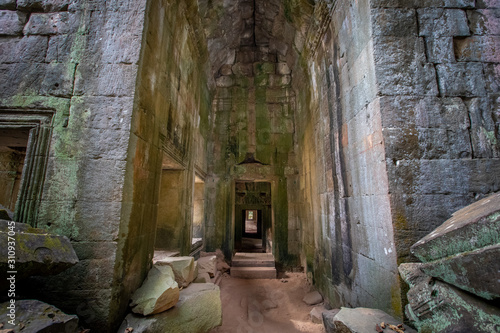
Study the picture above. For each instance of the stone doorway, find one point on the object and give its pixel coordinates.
(253, 216)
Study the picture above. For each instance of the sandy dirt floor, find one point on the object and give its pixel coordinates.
(266, 306)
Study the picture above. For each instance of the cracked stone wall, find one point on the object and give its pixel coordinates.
(438, 81)
(397, 128)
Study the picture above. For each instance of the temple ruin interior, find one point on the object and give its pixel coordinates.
(331, 137)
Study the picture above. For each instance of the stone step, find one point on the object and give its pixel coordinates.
(253, 272)
(253, 263)
(253, 260)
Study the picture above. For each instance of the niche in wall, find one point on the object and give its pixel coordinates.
(171, 208)
(198, 213)
(24, 147)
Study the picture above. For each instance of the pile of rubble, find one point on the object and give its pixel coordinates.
(456, 286)
(177, 295)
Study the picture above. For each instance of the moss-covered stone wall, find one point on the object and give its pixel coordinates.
(170, 120)
(126, 83)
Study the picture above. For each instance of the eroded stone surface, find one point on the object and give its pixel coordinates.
(435, 306)
(33, 316)
(36, 251)
(475, 271)
(470, 228)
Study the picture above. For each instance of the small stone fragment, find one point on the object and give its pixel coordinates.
(382, 325)
(317, 314)
(378, 329)
(395, 328)
(208, 265)
(313, 298)
(268, 304)
(359, 320)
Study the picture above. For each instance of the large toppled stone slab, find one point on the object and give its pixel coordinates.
(33, 316)
(474, 271)
(435, 306)
(158, 293)
(199, 309)
(471, 228)
(36, 252)
(183, 267)
(360, 320)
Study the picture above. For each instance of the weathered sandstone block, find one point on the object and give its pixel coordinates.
(360, 320)
(36, 252)
(473, 227)
(183, 268)
(158, 293)
(37, 316)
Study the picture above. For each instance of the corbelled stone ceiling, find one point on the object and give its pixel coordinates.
(273, 30)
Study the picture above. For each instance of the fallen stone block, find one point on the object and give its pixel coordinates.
(199, 310)
(202, 278)
(328, 319)
(360, 320)
(183, 267)
(208, 265)
(158, 293)
(35, 316)
(435, 306)
(471, 228)
(36, 251)
(474, 271)
(316, 314)
(313, 298)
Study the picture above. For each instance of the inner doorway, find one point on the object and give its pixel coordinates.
(252, 230)
(253, 216)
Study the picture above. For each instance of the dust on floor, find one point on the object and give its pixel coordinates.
(266, 306)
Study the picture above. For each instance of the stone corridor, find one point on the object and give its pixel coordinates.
(332, 135)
